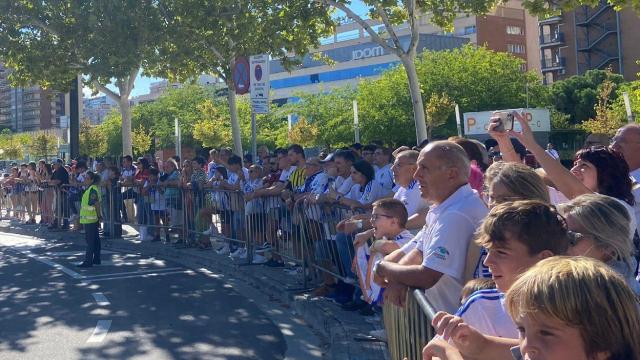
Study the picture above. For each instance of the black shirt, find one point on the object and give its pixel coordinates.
(61, 175)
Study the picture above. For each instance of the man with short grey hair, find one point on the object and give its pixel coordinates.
(442, 256)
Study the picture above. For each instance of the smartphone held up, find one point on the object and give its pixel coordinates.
(506, 121)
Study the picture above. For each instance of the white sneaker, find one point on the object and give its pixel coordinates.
(240, 253)
(259, 259)
(224, 250)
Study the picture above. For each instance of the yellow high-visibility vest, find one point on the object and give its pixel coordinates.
(88, 213)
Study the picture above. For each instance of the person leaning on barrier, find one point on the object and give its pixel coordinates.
(442, 257)
(90, 217)
(59, 178)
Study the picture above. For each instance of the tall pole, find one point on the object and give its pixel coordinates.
(627, 106)
(254, 137)
(74, 119)
(458, 120)
(356, 122)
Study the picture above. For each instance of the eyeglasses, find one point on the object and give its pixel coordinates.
(375, 217)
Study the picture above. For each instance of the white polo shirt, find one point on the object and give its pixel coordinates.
(485, 311)
(411, 198)
(450, 227)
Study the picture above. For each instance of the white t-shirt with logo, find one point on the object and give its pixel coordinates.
(485, 311)
(450, 228)
(384, 176)
(411, 198)
(372, 192)
(343, 185)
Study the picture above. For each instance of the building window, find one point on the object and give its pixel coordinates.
(523, 67)
(514, 30)
(469, 30)
(516, 48)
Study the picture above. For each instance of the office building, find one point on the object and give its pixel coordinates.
(97, 108)
(30, 108)
(590, 38)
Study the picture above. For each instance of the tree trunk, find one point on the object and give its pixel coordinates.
(416, 97)
(125, 111)
(235, 125)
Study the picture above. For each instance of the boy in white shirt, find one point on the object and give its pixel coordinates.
(389, 218)
(517, 236)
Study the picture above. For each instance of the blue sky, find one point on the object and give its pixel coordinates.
(142, 83)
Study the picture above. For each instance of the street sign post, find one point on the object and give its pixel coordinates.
(259, 84)
(259, 93)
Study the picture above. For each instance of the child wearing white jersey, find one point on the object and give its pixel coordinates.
(517, 235)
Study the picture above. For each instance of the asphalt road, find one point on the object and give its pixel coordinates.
(131, 307)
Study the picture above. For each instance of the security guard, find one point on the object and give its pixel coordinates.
(90, 217)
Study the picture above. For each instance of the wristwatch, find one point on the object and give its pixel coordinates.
(359, 224)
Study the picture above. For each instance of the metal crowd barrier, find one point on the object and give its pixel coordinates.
(409, 329)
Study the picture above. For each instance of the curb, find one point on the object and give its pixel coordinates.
(319, 315)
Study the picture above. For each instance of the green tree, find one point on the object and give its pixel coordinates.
(606, 121)
(577, 96)
(461, 74)
(141, 141)
(439, 108)
(206, 36)
(43, 145)
(51, 42)
(93, 140)
(11, 147)
(331, 112)
(304, 133)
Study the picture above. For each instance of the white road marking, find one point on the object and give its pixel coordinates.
(90, 277)
(74, 253)
(56, 266)
(190, 272)
(100, 299)
(100, 332)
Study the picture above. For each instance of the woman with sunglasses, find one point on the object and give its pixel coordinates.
(599, 226)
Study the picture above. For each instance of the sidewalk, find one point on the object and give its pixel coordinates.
(334, 326)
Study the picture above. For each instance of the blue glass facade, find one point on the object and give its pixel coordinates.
(336, 75)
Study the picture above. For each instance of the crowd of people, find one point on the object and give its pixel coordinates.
(522, 257)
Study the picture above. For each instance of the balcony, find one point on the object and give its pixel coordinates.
(553, 39)
(553, 63)
(551, 20)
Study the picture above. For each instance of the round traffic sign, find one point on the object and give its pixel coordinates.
(258, 72)
(241, 78)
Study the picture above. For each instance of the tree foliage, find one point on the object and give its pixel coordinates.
(462, 74)
(331, 112)
(304, 133)
(577, 96)
(141, 141)
(51, 42)
(93, 140)
(11, 145)
(206, 36)
(43, 145)
(438, 109)
(606, 121)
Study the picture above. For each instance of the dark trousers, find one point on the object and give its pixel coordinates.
(91, 235)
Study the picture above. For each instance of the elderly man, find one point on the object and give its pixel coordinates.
(627, 142)
(441, 257)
